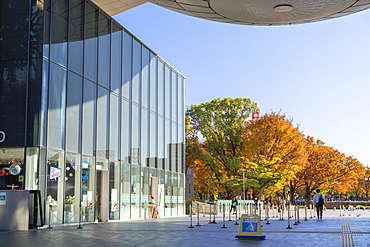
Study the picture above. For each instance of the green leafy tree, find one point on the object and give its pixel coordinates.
(219, 124)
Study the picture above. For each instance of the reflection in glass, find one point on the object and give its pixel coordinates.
(57, 106)
(125, 191)
(87, 188)
(59, 32)
(55, 185)
(72, 189)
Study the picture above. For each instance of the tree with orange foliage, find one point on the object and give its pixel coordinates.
(327, 168)
(274, 150)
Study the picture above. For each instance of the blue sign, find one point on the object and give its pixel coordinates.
(2, 198)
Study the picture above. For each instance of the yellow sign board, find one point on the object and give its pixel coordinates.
(250, 228)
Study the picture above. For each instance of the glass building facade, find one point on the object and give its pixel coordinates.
(89, 115)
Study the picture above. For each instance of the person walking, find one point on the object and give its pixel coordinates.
(234, 204)
(318, 201)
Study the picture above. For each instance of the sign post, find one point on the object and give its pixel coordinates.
(250, 228)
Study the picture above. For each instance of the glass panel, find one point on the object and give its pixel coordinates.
(153, 82)
(144, 137)
(161, 192)
(55, 182)
(153, 146)
(31, 176)
(161, 143)
(12, 169)
(74, 106)
(125, 130)
(174, 201)
(135, 192)
(181, 101)
(126, 65)
(167, 194)
(145, 78)
(174, 147)
(114, 149)
(76, 32)
(72, 188)
(125, 192)
(89, 115)
(167, 92)
(46, 36)
(35, 84)
(135, 145)
(114, 176)
(144, 193)
(136, 70)
(44, 103)
(167, 138)
(104, 51)
(59, 32)
(14, 31)
(160, 88)
(116, 53)
(174, 97)
(102, 123)
(181, 201)
(91, 43)
(88, 187)
(57, 106)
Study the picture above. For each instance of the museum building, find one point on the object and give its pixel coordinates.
(89, 116)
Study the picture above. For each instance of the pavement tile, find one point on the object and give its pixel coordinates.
(176, 232)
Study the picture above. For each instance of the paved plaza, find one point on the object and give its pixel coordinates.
(352, 229)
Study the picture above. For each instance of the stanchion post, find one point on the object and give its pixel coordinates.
(198, 214)
(49, 227)
(298, 215)
(311, 211)
(223, 216)
(210, 214)
(214, 214)
(267, 214)
(230, 212)
(295, 215)
(236, 216)
(289, 227)
(191, 218)
(79, 220)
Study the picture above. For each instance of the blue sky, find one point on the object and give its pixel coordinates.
(318, 74)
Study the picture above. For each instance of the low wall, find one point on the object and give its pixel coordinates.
(331, 205)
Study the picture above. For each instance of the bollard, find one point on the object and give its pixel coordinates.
(334, 209)
(305, 212)
(295, 215)
(223, 216)
(298, 215)
(311, 211)
(198, 215)
(191, 218)
(340, 210)
(214, 214)
(236, 217)
(79, 220)
(289, 227)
